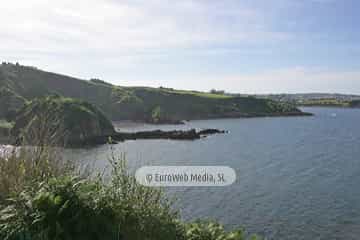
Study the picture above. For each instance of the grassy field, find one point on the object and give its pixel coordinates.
(325, 102)
(201, 94)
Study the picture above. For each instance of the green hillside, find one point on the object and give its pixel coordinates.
(61, 120)
(136, 103)
(10, 102)
(316, 99)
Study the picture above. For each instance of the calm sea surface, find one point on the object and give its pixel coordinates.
(297, 177)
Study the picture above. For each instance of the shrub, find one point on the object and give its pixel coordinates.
(157, 114)
(62, 208)
(208, 230)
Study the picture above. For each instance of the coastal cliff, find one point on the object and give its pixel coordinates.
(61, 120)
(70, 122)
(145, 104)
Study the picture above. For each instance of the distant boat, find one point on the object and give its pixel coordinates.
(333, 114)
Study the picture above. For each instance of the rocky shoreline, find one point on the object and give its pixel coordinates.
(225, 116)
(256, 115)
(191, 134)
(114, 137)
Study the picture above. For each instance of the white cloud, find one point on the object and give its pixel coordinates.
(92, 37)
(112, 26)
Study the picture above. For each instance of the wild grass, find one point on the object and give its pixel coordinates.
(23, 166)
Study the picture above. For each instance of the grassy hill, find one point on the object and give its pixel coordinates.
(10, 102)
(136, 103)
(60, 120)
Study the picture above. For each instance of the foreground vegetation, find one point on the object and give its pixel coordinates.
(21, 84)
(44, 197)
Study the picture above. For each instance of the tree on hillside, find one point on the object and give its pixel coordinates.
(214, 91)
(157, 114)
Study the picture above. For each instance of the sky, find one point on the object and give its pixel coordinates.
(240, 46)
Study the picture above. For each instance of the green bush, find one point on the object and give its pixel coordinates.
(157, 114)
(207, 230)
(62, 208)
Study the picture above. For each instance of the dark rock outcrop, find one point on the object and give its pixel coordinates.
(211, 131)
(191, 134)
